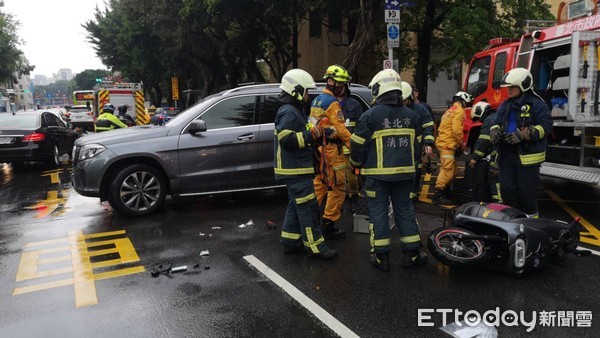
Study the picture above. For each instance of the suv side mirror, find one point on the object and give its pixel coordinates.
(197, 126)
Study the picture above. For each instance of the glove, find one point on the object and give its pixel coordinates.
(472, 163)
(519, 135)
(316, 132)
(496, 135)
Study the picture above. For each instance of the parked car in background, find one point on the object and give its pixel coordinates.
(81, 116)
(32, 136)
(164, 115)
(224, 143)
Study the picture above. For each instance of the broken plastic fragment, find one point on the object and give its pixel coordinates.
(201, 234)
(216, 228)
(204, 253)
(249, 223)
(271, 225)
(179, 268)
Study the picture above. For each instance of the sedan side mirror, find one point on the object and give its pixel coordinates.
(197, 126)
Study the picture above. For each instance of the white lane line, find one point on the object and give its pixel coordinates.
(301, 298)
(597, 253)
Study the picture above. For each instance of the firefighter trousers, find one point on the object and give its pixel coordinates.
(519, 185)
(447, 168)
(301, 225)
(379, 194)
(337, 195)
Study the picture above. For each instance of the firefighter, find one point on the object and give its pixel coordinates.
(426, 140)
(124, 116)
(107, 120)
(520, 130)
(294, 165)
(352, 111)
(483, 112)
(449, 141)
(331, 181)
(383, 145)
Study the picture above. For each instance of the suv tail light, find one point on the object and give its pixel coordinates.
(35, 137)
(90, 113)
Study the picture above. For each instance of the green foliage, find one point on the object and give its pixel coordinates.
(87, 79)
(12, 62)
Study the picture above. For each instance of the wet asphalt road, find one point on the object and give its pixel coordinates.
(223, 295)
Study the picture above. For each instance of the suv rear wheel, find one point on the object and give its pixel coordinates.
(138, 190)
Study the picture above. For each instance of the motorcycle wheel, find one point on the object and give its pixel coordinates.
(445, 245)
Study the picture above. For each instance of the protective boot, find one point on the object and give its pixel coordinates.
(326, 253)
(414, 258)
(381, 261)
(440, 198)
(330, 232)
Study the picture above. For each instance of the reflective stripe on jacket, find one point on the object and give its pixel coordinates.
(384, 142)
(352, 111)
(108, 121)
(530, 110)
(293, 144)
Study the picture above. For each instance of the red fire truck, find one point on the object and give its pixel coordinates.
(565, 63)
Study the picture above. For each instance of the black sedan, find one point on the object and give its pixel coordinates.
(32, 136)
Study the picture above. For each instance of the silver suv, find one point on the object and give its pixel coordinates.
(222, 144)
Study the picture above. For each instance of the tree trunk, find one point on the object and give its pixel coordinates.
(424, 52)
(363, 40)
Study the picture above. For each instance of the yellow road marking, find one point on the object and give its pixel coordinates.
(81, 267)
(48, 242)
(53, 175)
(590, 228)
(120, 272)
(42, 286)
(83, 276)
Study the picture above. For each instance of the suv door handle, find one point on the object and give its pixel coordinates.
(246, 137)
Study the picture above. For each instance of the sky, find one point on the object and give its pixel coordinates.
(52, 34)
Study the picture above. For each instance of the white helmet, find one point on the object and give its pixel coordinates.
(385, 81)
(463, 96)
(478, 109)
(406, 91)
(519, 77)
(296, 82)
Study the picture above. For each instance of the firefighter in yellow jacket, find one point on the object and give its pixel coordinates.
(448, 142)
(326, 111)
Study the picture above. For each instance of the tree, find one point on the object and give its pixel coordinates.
(12, 62)
(448, 31)
(87, 79)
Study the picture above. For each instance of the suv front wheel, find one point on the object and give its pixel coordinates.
(138, 190)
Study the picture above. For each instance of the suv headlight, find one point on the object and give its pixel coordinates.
(89, 151)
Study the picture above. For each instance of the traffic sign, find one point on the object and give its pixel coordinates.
(392, 4)
(175, 87)
(393, 35)
(392, 16)
(387, 64)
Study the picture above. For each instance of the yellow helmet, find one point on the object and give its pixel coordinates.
(338, 73)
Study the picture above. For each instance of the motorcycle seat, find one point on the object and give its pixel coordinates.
(492, 211)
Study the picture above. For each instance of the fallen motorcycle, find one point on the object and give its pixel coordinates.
(503, 238)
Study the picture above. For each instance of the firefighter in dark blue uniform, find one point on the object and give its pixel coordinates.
(294, 143)
(520, 130)
(384, 145)
(426, 140)
(483, 147)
